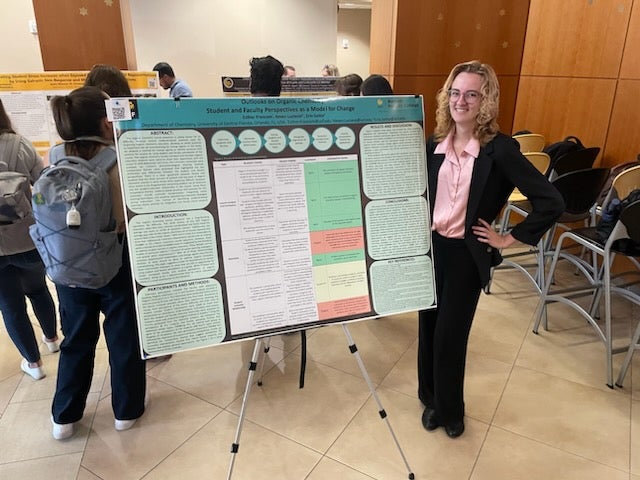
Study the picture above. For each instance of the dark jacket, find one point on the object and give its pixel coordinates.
(498, 169)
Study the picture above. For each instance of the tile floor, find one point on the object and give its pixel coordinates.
(538, 407)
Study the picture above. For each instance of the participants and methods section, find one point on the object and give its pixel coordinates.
(184, 315)
(292, 240)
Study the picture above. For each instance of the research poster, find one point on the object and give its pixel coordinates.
(253, 216)
(26, 96)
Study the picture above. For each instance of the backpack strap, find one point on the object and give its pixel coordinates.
(574, 139)
(104, 159)
(11, 152)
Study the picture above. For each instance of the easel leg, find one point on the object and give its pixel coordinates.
(383, 414)
(267, 346)
(235, 446)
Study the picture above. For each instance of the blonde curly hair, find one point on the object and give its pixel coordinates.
(486, 126)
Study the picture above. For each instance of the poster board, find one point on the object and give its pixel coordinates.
(254, 216)
(26, 96)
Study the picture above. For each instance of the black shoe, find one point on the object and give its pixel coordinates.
(454, 429)
(429, 419)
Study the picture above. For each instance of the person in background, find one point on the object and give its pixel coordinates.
(109, 79)
(349, 85)
(82, 113)
(22, 272)
(330, 70)
(177, 88)
(289, 71)
(265, 76)
(472, 168)
(376, 85)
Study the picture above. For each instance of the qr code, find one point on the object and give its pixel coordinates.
(119, 113)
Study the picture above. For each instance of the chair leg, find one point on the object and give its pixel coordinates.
(541, 310)
(635, 344)
(504, 222)
(607, 320)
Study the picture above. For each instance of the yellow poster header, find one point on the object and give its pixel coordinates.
(47, 81)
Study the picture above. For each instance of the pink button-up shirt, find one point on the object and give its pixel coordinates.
(454, 183)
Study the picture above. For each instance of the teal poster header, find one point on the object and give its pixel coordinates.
(150, 113)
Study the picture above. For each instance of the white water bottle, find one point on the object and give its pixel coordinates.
(73, 217)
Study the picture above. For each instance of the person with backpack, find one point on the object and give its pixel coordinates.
(22, 273)
(81, 121)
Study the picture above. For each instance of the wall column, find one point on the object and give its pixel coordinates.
(77, 34)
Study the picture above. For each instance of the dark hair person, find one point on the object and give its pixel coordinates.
(376, 85)
(81, 121)
(178, 88)
(472, 169)
(22, 273)
(265, 76)
(349, 85)
(109, 79)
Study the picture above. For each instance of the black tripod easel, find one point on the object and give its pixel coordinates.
(235, 446)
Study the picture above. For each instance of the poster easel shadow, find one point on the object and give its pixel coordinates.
(235, 446)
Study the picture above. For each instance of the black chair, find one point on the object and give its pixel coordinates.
(630, 218)
(624, 240)
(572, 161)
(580, 190)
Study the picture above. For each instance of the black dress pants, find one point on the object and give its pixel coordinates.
(444, 331)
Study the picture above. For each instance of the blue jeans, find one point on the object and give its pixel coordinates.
(22, 274)
(79, 312)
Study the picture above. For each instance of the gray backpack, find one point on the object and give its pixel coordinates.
(75, 232)
(15, 204)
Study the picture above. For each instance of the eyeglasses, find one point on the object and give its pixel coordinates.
(470, 96)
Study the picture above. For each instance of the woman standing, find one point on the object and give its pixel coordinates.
(81, 121)
(472, 169)
(21, 269)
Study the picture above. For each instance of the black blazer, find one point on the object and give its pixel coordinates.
(498, 169)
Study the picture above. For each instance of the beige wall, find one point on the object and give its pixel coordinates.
(354, 25)
(204, 40)
(21, 52)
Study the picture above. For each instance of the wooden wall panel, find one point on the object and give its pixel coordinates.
(434, 35)
(631, 56)
(576, 38)
(428, 86)
(623, 141)
(76, 34)
(557, 107)
(383, 37)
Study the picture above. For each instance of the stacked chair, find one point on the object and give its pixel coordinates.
(599, 281)
(519, 205)
(573, 161)
(530, 142)
(630, 218)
